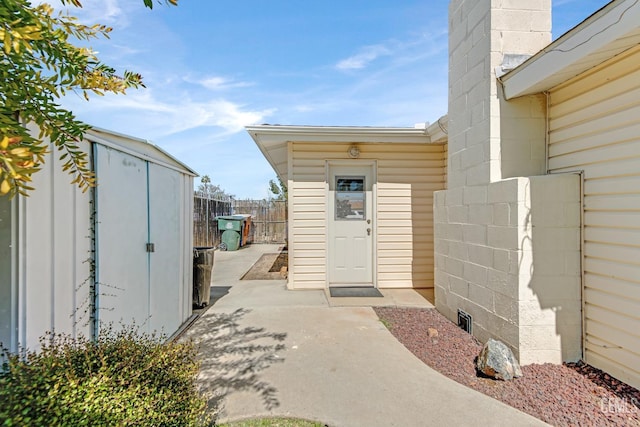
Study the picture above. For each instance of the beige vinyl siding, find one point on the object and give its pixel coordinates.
(407, 176)
(595, 127)
(307, 215)
(406, 183)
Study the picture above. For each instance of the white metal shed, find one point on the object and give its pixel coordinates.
(122, 252)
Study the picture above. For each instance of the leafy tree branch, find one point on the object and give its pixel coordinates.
(39, 63)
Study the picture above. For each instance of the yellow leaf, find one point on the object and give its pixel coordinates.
(19, 151)
(7, 43)
(5, 187)
(4, 143)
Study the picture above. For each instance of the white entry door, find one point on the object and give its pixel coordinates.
(350, 225)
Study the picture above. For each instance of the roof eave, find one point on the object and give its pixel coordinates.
(605, 34)
(272, 140)
(338, 133)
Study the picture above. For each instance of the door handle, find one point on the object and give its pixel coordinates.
(368, 232)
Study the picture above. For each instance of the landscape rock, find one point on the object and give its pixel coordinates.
(497, 361)
(433, 333)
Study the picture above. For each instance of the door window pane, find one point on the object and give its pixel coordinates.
(350, 198)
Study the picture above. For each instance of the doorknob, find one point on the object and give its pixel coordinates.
(368, 221)
(368, 232)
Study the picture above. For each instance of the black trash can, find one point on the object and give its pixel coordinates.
(202, 268)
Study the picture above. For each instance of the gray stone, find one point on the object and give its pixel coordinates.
(497, 361)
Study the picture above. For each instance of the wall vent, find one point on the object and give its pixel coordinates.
(465, 321)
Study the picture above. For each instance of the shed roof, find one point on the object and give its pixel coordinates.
(603, 35)
(138, 147)
(272, 140)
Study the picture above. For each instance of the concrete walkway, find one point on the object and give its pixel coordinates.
(272, 352)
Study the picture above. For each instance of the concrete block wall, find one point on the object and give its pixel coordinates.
(549, 298)
(503, 253)
(477, 259)
(512, 261)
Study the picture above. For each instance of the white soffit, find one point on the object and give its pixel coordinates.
(272, 140)
(605, 34)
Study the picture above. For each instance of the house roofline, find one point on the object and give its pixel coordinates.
(603, 35)
(351, 134)
(272, 140)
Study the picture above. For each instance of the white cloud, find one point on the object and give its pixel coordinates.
(414, 48)
(218, 113)
(363, 58)
(147, 116)
(220, 83)
(104, 11)
(107, 12)
(304, 108)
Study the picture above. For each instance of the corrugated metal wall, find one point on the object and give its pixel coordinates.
(408, 174)
(595, 127)
(53, 250)
(51, 270)
(7, 310)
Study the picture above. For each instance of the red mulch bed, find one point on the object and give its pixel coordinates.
(561, 395)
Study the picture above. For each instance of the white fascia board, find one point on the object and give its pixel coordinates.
(438, 131)
(570, 55)
(348, 134)
(273, 140)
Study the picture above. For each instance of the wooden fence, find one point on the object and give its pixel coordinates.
(269, 219)
(205, 226)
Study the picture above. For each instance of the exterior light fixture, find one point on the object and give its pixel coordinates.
(354, 152)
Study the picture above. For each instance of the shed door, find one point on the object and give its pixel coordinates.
(164, 262)
(136, 205)
(122, 233)
(350, 226)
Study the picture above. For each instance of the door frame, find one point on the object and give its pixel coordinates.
(373, 165)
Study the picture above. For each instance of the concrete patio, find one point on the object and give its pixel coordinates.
(267, 351)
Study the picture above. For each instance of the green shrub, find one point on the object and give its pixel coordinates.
(123, 379)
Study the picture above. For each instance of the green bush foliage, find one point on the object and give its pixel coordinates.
(124, 378)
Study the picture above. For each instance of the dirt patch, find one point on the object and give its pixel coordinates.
(268, 267)
(561, 395)
(281, 261)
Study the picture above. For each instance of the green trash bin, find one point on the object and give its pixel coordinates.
(232, 227)
(230, 223)
(230, 240)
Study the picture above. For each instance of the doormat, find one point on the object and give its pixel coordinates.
(355, 292)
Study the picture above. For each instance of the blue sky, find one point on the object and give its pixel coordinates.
(213, 67)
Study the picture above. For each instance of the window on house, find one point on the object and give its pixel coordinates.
(350, 198)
